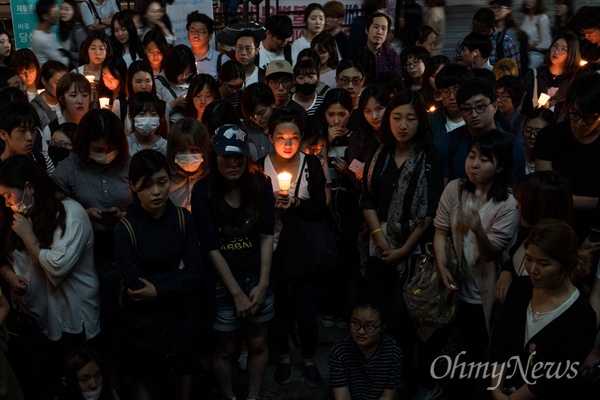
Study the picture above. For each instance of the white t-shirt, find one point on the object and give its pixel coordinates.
(451, 125)
(46, 47)
(266, 56)
(252, 78)
(299, 44)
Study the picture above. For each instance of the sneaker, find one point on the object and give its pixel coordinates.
(341, 324)
(327, 321)
(283, 373)
(429, 394)
(312, 376)
(243, 361)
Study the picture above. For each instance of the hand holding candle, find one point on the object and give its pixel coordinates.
(285, 180)
(104, 101)
(543, 100)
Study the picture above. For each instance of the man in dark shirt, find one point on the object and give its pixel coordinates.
(334, 19)
(588, 20)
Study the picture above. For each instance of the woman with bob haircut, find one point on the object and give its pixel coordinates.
(28, 67)
(156, 50)
(173, 82)
(481, 216)
(545, 320)
(234, 211)
(162, 277)
(203, 90)
(113, 85)
(188, 152)
(96, 174)
(324, 44)
(149, 125)
(74, 94)
(554, 77)
(49, 263)
(47, 101)
(540, 195)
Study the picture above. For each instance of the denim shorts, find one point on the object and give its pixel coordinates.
(225, 317)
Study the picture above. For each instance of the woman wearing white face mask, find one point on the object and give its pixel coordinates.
(150, 126)
(48, 248)
(187, 154)
(96, 174)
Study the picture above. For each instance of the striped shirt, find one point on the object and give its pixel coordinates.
(314, 106)
(366, 379)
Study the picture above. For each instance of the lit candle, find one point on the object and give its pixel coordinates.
(90, 78)
(104, 101)
(431, 109)
(285, 179)
(39, 91)
(582, 63)
(543, 100)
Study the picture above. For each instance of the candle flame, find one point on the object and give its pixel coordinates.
(284, 179)
(431, 109)
(582, 63)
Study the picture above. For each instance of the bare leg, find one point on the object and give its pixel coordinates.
(222, 362)
(258, 356)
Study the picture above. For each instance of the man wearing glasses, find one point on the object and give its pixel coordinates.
(246, 50)
(200, 29)
(280, 78)
(476, 99)
(571, 147)
(589, 22)
(386, 59)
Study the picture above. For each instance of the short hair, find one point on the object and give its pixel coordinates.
(505, 67)
(43, 7)
(134, 68)
(588, 17)
(187, 132)
(250, 34)
(514, 87)
(180, 57)
(573, 53)
(543, 114)
(195, 16)
(420, 34)
(230, 70)
(117, 68)
(285, 115)
(309, 54)
(218, 113)
(18, 114)
(99, 124)
(196, 85)
(349, 63)
(6, 74)
(336, 96)
(67, 128)
(75, 79)
(544, 194)
(495, 146)
(256, 94)
(478, 41)
(381, 95)
(366, 58)
(84, 56)
(585, 93)
(146, 101)
(334, 9)
(379, 14)
(559, 241)
(485, 16)
(474, 86)
(52, 67)
(310, 8)
(25, 58)
(143, 165)
(327, 42)
(424, 136)
(305, 67)
(280, 26)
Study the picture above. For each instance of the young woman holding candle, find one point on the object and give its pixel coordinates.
(302, 195)
(94, 51)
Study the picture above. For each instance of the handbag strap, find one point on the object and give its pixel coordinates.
(299, 178)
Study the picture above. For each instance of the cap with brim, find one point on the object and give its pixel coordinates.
(279, 66)
(230, 139)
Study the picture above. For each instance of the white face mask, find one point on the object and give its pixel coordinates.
(146, 125)
(20, 207)
(93, 395)
(189, 162)
(104, 158)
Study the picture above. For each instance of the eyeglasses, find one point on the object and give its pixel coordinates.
(531, 132)
(413, 64)
(286, 84)
(357, 326)
(234, 88)
(558, 49)
(503, 96)
(347, 81)
(480, 108)
(199, 32)
(244, 49)
(585, 32)
(62, 144)
(588, 119)
(449, 91)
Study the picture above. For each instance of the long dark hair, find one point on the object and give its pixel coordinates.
(48, 212)
(118, 69)
(366, 132)
(84, 56)
(65, 28)
(134, 68)
(159, 40)
(125, 20)
(196, 85)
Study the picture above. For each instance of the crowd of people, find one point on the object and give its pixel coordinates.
(164, 202)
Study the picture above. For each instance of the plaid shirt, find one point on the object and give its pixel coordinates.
(511, 50)
(387, 60)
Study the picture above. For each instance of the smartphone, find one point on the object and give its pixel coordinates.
(109, 214)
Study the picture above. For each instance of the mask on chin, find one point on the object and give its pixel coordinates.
(20, 207)
(93, 395)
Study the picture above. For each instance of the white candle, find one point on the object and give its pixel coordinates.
(90, 78)
(285, 179)
(104, 101)
(543, 100)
